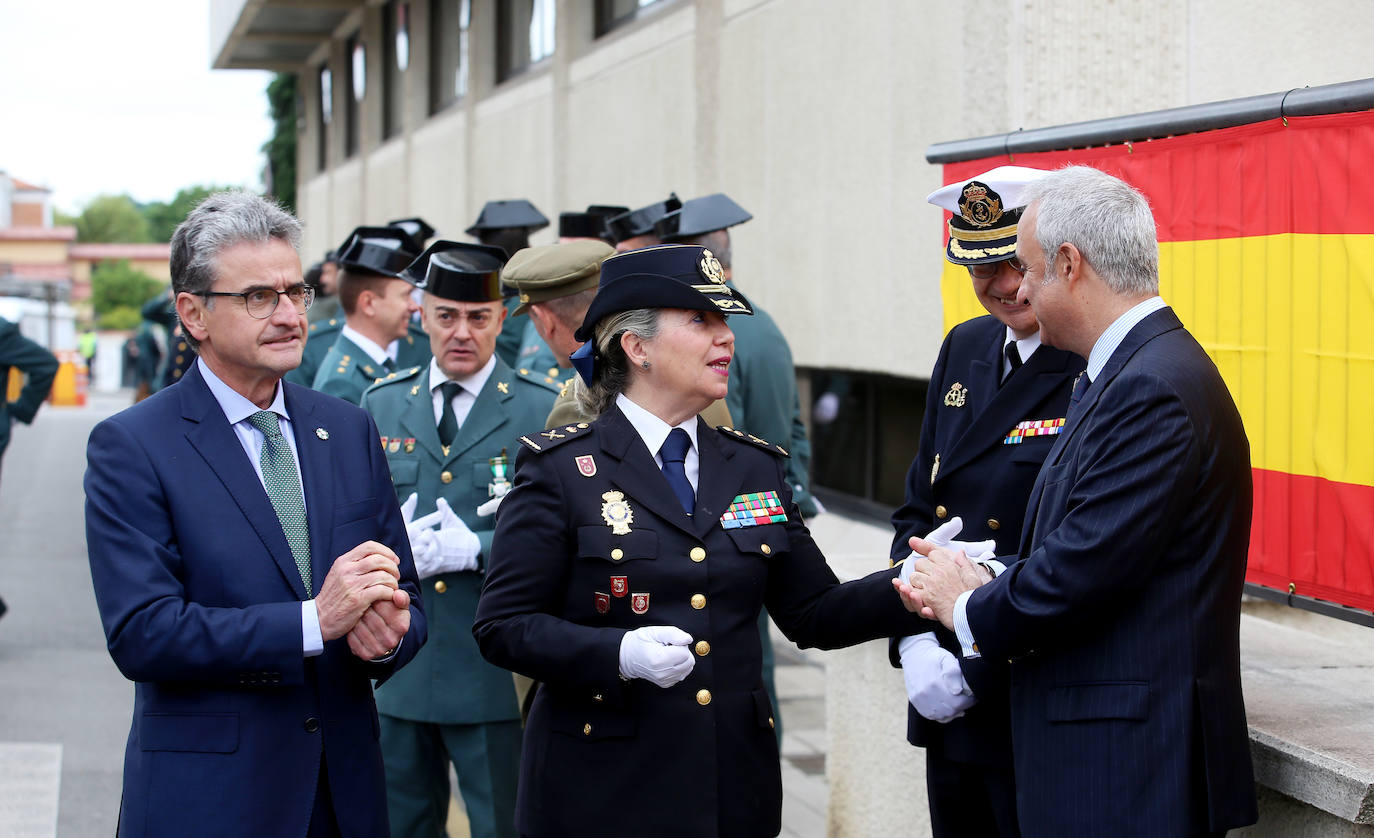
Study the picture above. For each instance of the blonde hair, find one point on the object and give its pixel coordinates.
(612, 373)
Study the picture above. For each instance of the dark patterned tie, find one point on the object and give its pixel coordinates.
(283, 486)
(674, 454)
(1014, 358)
(1080, 389)
(448, 422)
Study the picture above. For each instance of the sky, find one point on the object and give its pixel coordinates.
(117, 96)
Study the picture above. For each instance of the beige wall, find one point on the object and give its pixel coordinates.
(814, 115)
(33, 252)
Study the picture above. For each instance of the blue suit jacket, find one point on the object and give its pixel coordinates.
(1123, 614)
(200, 600)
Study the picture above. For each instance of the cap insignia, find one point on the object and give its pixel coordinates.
(711, 268)
(979, 205)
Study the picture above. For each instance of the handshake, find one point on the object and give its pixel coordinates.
(361, 599)
(450, 548)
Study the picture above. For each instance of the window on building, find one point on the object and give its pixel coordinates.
(448, 31)
(613, 13)
(864, 432)
(325, 114)
(396, 54)
(357, 89)
(524, 35)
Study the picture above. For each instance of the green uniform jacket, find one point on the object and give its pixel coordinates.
(414, 350)
(346, 371)
(763, 396)
(536, 356)
(449, 682)
(18, 352)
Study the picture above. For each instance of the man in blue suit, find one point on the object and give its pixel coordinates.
(249, 560)
(1122, 612)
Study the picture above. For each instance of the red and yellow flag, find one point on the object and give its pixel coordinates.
(1266, 235)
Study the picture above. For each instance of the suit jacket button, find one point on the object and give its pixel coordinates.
(698, 554)
(703, 697)
(940, 511)
(447, 477)
(994, 524)
(312, 724)
(440, 586)
(698, 601)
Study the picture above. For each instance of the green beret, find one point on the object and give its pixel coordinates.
(551, 271)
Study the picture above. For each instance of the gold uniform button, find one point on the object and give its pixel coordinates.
(617, 554)
(703, 697)
(703, 648)
(767, 551)
(440, 586)
(698, 554)
(447, 477)
(941, 512)
(553, 370)
(587, 730)
(597, 698)
(994, 524)
(771, 725)
(698, 601)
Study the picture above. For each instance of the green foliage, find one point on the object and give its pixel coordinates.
(112, 218)
(281, 147)
(61, 219)
(117, 285)
(163, 218)
(120, 318)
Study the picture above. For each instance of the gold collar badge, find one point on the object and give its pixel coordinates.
(957, 395)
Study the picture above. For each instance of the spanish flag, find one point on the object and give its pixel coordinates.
(1266, 235)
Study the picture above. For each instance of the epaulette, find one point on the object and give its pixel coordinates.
(396, 377)
(553, 437)
(332, 324)
(545, 381)
(733, 433)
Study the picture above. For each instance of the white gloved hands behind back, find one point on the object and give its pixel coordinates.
(935, 683)
(658, 654)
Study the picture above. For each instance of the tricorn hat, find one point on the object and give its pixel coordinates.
(469, 273)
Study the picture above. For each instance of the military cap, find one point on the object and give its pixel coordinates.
(505, 215)
(551, 271)
(378, 250)
(417, 228)
(468, 273)
(641, 222)
(700, 216)
(588, 225)
(986, 209)
(330, 256)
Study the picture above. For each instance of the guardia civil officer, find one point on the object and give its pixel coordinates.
(996, 401)
(377, 305)
(629, 566)
(448, 428)
(508, 225)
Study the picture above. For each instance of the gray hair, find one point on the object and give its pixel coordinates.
(221, 221)
(1106, 219)
(612, 374)
(716, 241)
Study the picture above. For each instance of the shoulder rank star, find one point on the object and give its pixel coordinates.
(616, 513)
(956, 396)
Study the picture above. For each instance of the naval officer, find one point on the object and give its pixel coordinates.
(448, 428)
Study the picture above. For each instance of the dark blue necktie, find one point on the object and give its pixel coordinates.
(1080, 389)
(674, 454)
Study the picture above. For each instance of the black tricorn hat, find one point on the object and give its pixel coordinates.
(469, 273)
(417, 228)
(504, 215)
(700, 216)
(667, 276)
(377, 250)
(641, 222)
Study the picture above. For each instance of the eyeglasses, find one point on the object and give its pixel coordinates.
(989, 270)
(261, 302)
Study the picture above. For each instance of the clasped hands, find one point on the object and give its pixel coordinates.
(939, 570)
(361, 598)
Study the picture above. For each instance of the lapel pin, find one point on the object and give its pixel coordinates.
(503, 387)
(957, 395)
(322, 433)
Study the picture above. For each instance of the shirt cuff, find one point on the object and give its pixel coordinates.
(969, 646)
(994, 567)
(311, 639)
(389, 655)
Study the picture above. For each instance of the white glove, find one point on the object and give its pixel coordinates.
(424, 544)
(943, 536)
(935, 684)
(659, 654)
(490, 507)
(458, 545)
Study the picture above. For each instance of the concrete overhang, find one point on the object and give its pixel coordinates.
(277, 35)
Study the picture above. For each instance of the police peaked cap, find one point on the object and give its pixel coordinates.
(700, 216)
(641, 222)
(504, 215)
(378, 250)
(667, 276)
(468, 273)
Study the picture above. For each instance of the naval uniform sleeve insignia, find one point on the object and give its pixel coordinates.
(742, 436)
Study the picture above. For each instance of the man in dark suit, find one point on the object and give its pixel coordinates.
(1122, 611)
(249, 560)
(997, 397)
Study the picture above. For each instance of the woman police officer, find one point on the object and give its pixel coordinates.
(629, 565)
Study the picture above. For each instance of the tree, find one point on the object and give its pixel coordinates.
(281, 147)
(118, 289)
(112, 218)
(163, 218)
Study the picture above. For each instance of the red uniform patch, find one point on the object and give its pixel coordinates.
(586, 466)
(620, 585)
(603, 603)
(639, 603)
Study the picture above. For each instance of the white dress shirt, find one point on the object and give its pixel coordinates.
(1025, 347)
(654, 431)
(378, 355)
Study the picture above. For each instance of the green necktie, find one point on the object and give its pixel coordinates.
(284, 489)
(389, 365)
(448, 422)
